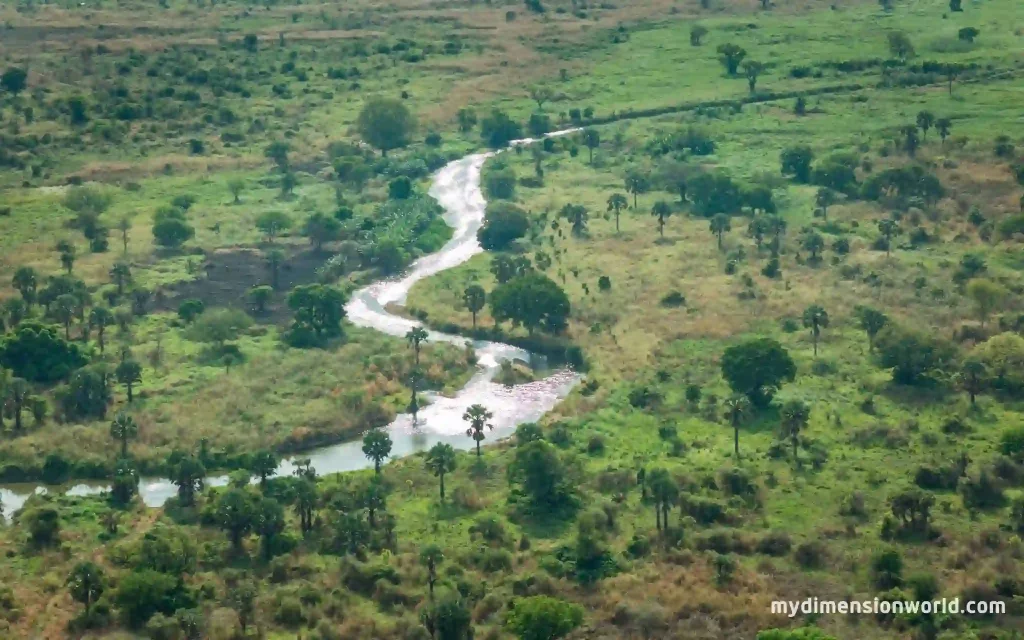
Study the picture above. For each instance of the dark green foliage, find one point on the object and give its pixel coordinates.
(42, 524)
(538, 469)
(796, 162)
(318, 310)
(756, 368)
(499, 129)
(543, 618)
(500, 182)
(713, 193)
(140, 594)
(386, 123)
(37, 353)
(533, 301)
(504, 224)
(913, 355)
(86, 395)
(901, 185)
(448, 618)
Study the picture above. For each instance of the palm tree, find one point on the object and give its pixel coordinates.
(889, 228)
(665, 492)
(636, 183)
(592, 139)
(736, 409)
(925, 120)
(577, 216)
(305, 503)
(67, 255)
(474, 297)
(431, 556)
(661, 210)
(416, 337)
(720, 223)
(123, 428)
(99, 319)
(617, 202)
(18, 391)
(129, 373)
(814, 243)
(440, 461)
(815, 319)
(825, 198)
(377, 447)
(477, 417)
(795, 416)
(64, 312)
(121, 274)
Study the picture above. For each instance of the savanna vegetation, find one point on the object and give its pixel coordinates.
(783, 250)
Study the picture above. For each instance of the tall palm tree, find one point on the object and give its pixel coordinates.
(440, 461)
(795, 416)
(815, 319)
(477, 416)
(99, 319)
(736, 409)
(665, 492)
(617, 202)
(377, 447)
(431, 556)
(121, 274)
(416, 337)
(720, 223)
(18, 391)
(474, 297)
(123, 428)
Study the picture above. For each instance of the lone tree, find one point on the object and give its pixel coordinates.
(477, 416)
(416, 337)
(577, 216)
(815, 319)
(943, 126)
(441, 461)
(636, 183)
(796, 162)
(592, 139)
(872, 321)
(123, 429)
(431, 556)
(795, 416)
(731, 55)
(661, 210)
(925, 121)
(236, 186)
(757, 368)
(752, 70)
(273, 223)
(129, 373)
(665, 493)
(697, 33)
(900, 46)
(720, 223)
(972, 378)
(889, 229)
(533, 301)
(263, 465)
(377, 447)
(616, 203)
(988, 296)
(86, 584)
(474, 297)
(736, 409)
(825, 198)
(386, 123)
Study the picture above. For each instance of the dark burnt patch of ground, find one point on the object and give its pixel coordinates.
(227, 276)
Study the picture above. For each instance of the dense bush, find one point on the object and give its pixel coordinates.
(504, 224)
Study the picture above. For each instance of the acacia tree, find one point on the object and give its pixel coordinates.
(720, 223)
(474, 297)
(988, 296)
(477, 416)
(377, 447)
(440, 461)
(731, 55)
(752, 70)
(736, 409)
(661, 210)
(616, 203)
(386, 123)
(123, 429)
(815, 319)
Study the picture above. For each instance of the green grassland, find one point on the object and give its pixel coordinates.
(793, 530)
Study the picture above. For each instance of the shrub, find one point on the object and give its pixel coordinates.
(504, 224)
(811, 555)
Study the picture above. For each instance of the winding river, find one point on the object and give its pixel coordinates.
(457, 188)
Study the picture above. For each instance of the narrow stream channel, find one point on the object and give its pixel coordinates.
(457, 188)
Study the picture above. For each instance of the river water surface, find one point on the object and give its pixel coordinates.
(457, 188)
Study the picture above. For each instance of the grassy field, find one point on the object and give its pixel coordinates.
(744, 532)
